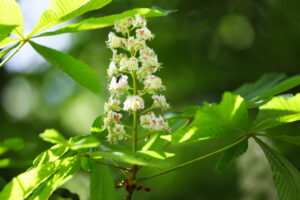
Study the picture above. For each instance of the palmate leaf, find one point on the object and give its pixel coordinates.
(62, 10)
(54, 153)
(287, 138)
(259, 92)
(228, 156)
(5, 30)
(213, 120)
(101, 22)
(11, 14)
(7, 41)
(83, 142)
(286, 176)
(24, 184)
(279, 110)
(77, 69)
(6, 51)
(67, 169)
(135, 158)
(101, 183)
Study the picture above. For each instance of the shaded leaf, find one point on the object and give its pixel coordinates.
(279, 110)
(10, 13)
(287, 138)
(286, 176)
(213, 120)
(97, 129)
(77, 69)
(5, 30)
(259, 92)
(67, 169)
(228, 156)
(62, 10)
(101, 22)
(53, 136)
(101, 183)
(86, 164)
(12, 144)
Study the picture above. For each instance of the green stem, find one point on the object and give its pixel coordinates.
(194, 160)
(13, 53)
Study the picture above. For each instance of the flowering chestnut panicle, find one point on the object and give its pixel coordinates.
(133, 60)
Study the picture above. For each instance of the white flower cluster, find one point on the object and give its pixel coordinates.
(133, 62)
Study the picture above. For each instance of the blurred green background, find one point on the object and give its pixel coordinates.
(206, 47)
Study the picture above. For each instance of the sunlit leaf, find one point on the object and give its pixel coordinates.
(83, 142)
(7, 41)
(136, 158)
(102, 183)
(77, 69)
(97, 129)
(62, 10)
(286, 176)
(10, 13)
(66, 170)
(6, 51)
(53, 136)
(86, 164)
(50, 155)
(101, 22)
(228, 156)
(24, 184)
(213, 120)
(278, 111)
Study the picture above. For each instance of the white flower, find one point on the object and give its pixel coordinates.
(112, 104)
(144, 34)
(150, 121)
(135, 44)
(153, 84)
(116, 133)
(119, 84)
(160, 102)
(139, 21)
(130, 64)
(143, 72)
(133, 103)
(123, 25)
(146, 51)
(111, 118)
(112, 69)
(114, 41)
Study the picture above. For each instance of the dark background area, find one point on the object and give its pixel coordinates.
(206, 47)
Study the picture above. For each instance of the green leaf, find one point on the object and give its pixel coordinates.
(53, 136)
(78, 70)
(83, 142)
(266, 87)
(286, 176)
(62, 10)
(67, 169)
(5, 30)
(12, 144)
(287, 138)
(279, 110)
(86, 164)
(6, 51)
(135, 158)
(101, 22)
(97, 129)
(228, 156)
(10, 13)
(102, 183)
(50, 155)
(24, 184)
(213, 120)
(7, 41)
(154, 143)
